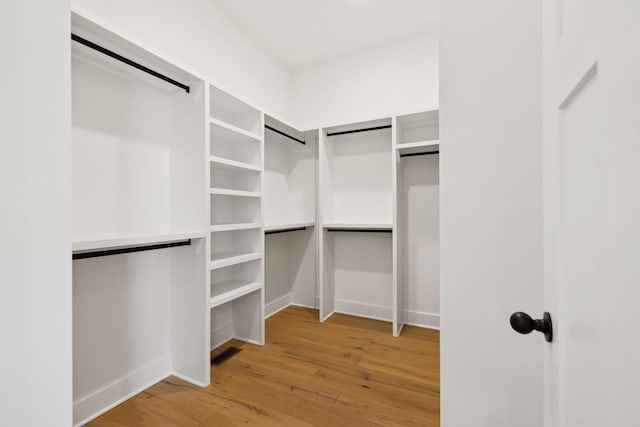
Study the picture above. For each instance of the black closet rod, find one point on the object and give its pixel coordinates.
(344, 132)
(284, 134)
(427, 153)
(360, 230)
(285, 231)
(108, 252)
(127, 61)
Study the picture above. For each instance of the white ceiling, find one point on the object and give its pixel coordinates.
(301, 32)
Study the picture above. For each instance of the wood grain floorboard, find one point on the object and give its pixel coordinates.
(348, 371)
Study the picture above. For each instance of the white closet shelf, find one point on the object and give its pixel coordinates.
(234, 227)
(234, 129)
(226, 259)
(230, 290)
(290, 226)
(227, 192)
(358, 226)
(232, 164)
(115, 240)
(419, 144)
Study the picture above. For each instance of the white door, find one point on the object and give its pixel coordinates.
(591, 104)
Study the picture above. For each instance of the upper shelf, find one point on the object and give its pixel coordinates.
(231, 110)
(116, 240)
(419, 147)
(418, 127)
(286, 227)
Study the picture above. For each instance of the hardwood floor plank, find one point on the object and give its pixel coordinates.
(347, 371)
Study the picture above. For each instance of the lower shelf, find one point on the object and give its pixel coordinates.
(229, 290)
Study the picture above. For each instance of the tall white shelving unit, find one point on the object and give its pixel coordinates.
(417, 221)
(139, 222)
(236, 279)
(289, 216)
(356, 200)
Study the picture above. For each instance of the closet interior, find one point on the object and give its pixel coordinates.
(197, 215)
(138, 221)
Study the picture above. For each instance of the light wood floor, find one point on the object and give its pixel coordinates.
(347, 371)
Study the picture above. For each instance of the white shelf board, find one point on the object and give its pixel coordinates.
(116, 240)
(235, 129)
(227, 192)
(233, 227)
(419, 144)
(354, 226)
(226, 259)
(230, 290)
(232, 164)
(284, 227)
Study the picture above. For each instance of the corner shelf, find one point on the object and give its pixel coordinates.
(230, 290)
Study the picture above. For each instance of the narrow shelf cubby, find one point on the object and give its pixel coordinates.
(237, 148)
(231, 209)
(231, 247)
(233, 114)
(418, 133)
(234, 281)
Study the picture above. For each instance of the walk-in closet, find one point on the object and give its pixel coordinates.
(203, 220)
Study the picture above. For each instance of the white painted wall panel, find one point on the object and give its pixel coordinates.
(396, 78)
(35, 219)
(491, 211)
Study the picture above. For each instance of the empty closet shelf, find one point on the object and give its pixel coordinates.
(418, 144)
(235, 129)
(225, 259)
(234, 227)
(358, 227)
(117, 240)
(239, 193)
(229, 164)
(230, 290)
(286, 227)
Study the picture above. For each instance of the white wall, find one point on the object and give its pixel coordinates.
(491, 212)
(35, 230)
(199, 35)
(396, 78)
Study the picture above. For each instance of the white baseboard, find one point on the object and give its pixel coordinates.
(277, 305)
(97, 403)
(189, 380)
(364, 310)
(422, 319)
(413, 318)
